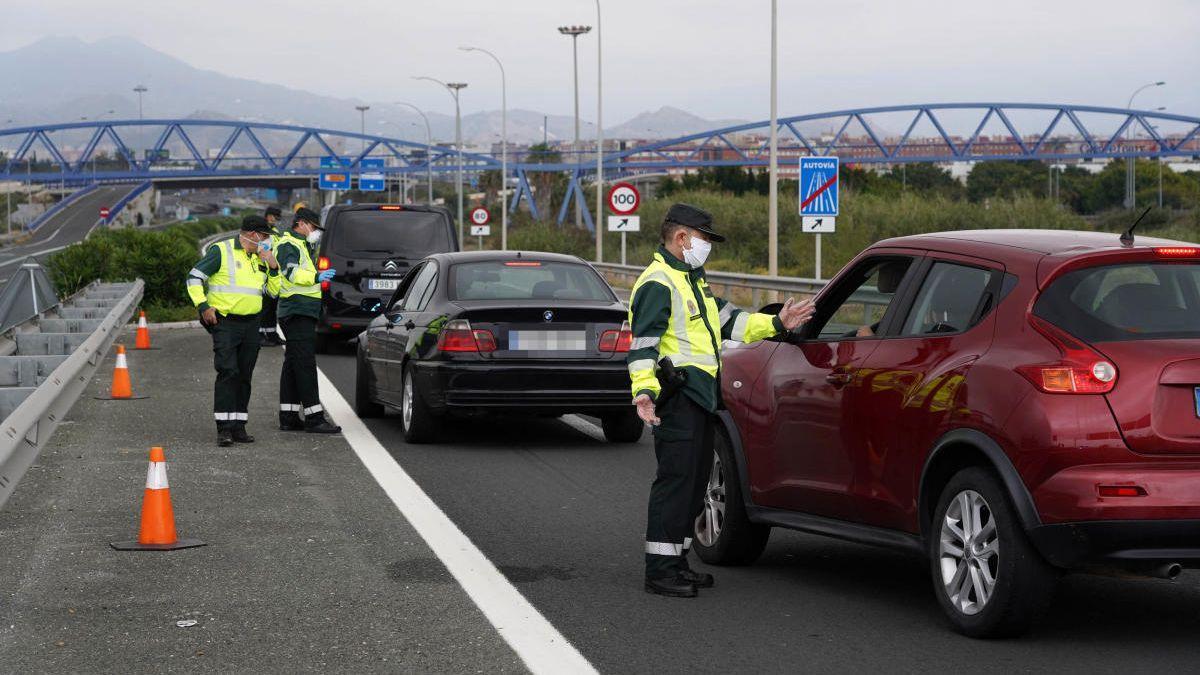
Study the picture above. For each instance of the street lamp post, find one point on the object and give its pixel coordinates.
(1130, 178)
(362, 111)
(428, 147)
(574, 32)
(773, 166)
(454, 88)
(503, 145)
(600, 149)
(140, 89)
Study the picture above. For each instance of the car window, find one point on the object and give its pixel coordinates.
(1142, 301)
(410, 235)
(527, 280)
(857, 306)
(948, 300)
(420, 287)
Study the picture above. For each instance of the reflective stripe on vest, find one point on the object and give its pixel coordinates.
(286, 288)
(686, 342)
(237, 286)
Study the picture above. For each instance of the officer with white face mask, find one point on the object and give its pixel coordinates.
(675, 316)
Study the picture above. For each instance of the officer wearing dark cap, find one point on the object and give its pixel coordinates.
(266, 320)
(227, 287)
(675, 365)
(300, 406)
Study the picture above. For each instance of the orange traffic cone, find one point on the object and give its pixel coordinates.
(122, 388)
(143, 332)
(157, 531)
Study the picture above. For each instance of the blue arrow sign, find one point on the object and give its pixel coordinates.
(818, 186)
(370, 180)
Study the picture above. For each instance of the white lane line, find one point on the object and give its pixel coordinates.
(583, 426)
(538, 643)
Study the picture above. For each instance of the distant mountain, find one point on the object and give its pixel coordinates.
(63, 79)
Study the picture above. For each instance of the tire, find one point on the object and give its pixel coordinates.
(364, 406)
(622, 427)
(996, 546)
(323, 343)
(419, 423)
(737, 541)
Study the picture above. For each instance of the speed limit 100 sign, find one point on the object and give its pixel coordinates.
(480, 216)
(624, 199)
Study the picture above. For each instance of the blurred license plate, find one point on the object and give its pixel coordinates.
(383, 284)
(547, 340)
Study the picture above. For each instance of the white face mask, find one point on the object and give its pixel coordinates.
(698, 253)
(250, 245)
(313, 237)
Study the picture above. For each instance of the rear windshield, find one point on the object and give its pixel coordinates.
(389, 234)
(527, 280)
(1143, 301)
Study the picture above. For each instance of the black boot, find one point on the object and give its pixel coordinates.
(240, 435)
(320, 425)
(290, 421)
(224, 437)
(700, 579)
(673, 587)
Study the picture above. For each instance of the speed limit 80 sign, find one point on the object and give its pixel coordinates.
(623, 199)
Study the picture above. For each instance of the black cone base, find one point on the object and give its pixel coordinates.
(135, 546)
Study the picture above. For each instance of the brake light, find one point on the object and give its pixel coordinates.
(324, 285)
(616, 340)
(1081, 370)
(1121, 490)
(1176, 251)
(458, 336)
(523, 263)
(322, 263)
(391, 207)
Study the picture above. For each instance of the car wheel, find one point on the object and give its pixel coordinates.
(987, 576)
(622, 427)
(724, 534)
(420, 425)
(364, 405)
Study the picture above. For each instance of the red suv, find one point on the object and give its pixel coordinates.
(1009, 403)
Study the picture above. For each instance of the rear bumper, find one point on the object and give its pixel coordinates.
(1171, 493)
(1119, 543)
(528, 387)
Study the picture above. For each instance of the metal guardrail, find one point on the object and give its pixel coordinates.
(757, 286)
(63, 203)
(49, 370)
(209, 241)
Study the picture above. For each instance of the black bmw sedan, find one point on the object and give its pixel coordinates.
(498, 331)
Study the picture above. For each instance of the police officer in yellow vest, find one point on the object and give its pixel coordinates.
(300, 406)
(675, 316)
(227, 287)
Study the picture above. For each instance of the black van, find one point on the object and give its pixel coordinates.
(372, 247)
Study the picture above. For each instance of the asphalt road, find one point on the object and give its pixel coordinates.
(562, 514)
(70, 225)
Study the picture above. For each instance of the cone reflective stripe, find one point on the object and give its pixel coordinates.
(121, 386)
(157, 531)
(143, 332)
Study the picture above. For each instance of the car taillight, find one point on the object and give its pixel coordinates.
(1081, 370)
(1176, 251)
(1121, 490)
(391, 207)
(458, 336)
(322, 263)
(616, 340)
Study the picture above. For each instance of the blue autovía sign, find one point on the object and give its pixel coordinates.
(818, 186)
(335, 175)
(371, 180)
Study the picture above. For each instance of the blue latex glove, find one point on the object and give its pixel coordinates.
(265, 245)
(326, 275)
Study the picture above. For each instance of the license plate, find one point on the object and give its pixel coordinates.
(547, 340)
(383, 284)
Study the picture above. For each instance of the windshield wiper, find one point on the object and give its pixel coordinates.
(373, 250)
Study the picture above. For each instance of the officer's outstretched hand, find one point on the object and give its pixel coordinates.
(795, 313)
(645, 410)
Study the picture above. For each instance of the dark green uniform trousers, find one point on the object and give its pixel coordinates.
(298, 398)
(683, 444)
(235, 351)
(266, 318)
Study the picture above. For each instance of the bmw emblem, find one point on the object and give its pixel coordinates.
(548, 315)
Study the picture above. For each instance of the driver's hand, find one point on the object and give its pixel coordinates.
(645, 410)
(865, 331)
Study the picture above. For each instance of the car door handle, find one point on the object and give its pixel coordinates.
(838, 379)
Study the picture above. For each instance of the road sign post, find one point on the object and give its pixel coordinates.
(818, 199)
(624, 200)
(480, 217)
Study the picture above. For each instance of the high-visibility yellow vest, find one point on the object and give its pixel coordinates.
(301, 277)
(688, 341)
(239, 284)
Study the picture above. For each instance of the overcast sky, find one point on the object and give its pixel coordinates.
(707, 56)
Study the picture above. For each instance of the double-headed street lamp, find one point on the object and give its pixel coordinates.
(454, 88)
(362, 111)
(503, 145)
(428, 148)
(139, 90)
(599, 144)
(1130, 179)
(574, 32)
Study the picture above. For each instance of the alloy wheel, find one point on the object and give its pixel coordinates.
(406, 401)
(712, 517)
(969, 552)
